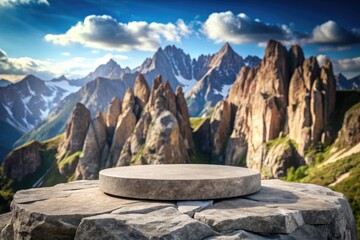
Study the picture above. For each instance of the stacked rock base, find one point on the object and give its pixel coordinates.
(79, 210)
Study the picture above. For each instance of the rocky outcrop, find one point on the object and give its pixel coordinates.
(151, 128)
(220, 126)
(76, 130)
(22, 162)
(183, 118)
(285, 95)
(164, 142)
(141, 91)
(350, 132)
(95, 141)
(114, 111)
(280, 210)
(279, 156)
(124, 128)
(162, 134)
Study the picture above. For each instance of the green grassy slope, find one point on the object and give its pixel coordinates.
(48, 150)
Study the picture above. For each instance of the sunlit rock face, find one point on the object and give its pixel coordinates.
(145, 127)
(286, 96)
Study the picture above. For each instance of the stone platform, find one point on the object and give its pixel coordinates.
(179, 181)
(80, 210)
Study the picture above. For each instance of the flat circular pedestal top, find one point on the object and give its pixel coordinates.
(179, 181)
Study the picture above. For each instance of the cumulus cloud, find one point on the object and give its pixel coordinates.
(11, 3)
(228, 27)
(73, 67)
(105, 32)
(238, 29)
(66, 54)
(346, 65)
(331, 33)
(23, 66)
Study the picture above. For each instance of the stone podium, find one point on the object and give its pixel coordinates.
(179, 181)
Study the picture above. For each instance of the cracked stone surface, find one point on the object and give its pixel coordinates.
(79, 210)
(191, 207)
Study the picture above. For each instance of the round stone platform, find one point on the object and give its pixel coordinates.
(179, 181)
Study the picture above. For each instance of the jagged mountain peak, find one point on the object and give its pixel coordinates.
(226, 47)
(112, 63)
(61, 78)
(226, 53)
(30, 77)
(274, 49)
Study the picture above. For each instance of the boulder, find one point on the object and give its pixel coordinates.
(283, 208)
(169, 222)
(280, 210)
(279, 157)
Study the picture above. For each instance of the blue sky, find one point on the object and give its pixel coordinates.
(51, 37)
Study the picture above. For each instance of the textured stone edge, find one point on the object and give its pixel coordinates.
(310, 231)
(174, 190)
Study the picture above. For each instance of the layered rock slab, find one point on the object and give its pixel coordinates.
(179, 181)
(80, 210)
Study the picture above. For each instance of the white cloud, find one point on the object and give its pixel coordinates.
(22, 66)
(75, 67)
(238, 29)
(66, 54)
(11, 3)
(105, 32)
(346, 65)
(94, 51)
(331, 33)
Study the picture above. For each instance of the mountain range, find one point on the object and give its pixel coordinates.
(342, 83)
(171, 63)
(38, 109)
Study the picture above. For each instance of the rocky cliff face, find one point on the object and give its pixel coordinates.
(22, 162)
(286, 97)
(145, 127)
(350, 131)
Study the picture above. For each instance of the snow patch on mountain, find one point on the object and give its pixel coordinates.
(224, 91)
(65, 85)
(187, 85)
